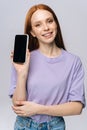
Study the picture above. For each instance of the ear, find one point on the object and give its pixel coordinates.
(32, 33)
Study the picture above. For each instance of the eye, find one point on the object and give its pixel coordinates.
(38, 25)
(50, 20)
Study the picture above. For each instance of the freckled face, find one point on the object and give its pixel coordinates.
(44, 26)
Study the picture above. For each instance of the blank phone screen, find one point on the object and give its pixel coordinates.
(20, 48)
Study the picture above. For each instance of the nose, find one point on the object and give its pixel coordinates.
(45, 26)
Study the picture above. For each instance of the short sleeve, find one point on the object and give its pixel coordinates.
(76, 92)
(12, 81)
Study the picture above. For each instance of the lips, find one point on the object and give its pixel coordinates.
(49, 34)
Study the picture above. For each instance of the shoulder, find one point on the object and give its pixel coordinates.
(34, 53)
(71, 57)
(74, 63)
(72, 60)
(34, 57)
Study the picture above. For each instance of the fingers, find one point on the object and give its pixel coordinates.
(11, 55)
(27, 55)
(27, 52)
(18, 110)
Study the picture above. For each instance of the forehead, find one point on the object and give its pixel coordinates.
(41, 14)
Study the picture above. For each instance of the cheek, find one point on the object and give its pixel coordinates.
(55, 28)
(36, 32)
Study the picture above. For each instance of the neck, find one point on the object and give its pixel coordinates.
(50, 50)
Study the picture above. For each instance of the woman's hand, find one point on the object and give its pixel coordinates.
(22, 68)
(26, 108)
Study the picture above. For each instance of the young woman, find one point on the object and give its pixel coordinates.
(50, 84)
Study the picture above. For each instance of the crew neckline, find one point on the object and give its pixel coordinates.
(51, 59)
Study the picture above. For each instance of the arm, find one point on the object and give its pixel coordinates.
(66, 109)
(22, 72)
(27, 108)
(20, 91)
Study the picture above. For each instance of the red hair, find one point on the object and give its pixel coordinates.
(33, 41)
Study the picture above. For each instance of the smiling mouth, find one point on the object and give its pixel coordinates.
(47, 35)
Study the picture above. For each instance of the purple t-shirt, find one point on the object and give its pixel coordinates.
(53, 80)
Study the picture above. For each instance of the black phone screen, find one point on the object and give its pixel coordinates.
(20, 46)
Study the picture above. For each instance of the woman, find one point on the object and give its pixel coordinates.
(50, 84)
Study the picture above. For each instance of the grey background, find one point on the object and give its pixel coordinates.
(72, 16)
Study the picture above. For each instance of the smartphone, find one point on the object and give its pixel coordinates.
(20, 46)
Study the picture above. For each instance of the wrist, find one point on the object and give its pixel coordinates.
(21, 81)
(42, 109)
(22, 76)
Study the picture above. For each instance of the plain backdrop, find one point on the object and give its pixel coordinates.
(72, 15)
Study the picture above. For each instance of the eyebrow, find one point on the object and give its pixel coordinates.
(35, 22)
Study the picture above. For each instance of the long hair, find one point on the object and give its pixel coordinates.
(33, 41)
